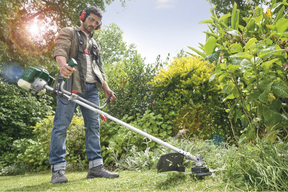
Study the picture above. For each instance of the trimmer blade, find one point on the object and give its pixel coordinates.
(171, 162)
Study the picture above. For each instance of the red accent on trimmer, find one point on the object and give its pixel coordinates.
(87, 52)
(104, 118)
(73, 91)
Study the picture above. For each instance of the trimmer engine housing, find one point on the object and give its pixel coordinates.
(28, 77)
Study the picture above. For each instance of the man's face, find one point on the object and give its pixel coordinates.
(91, 22)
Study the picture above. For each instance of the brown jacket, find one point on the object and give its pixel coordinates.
(67, 46)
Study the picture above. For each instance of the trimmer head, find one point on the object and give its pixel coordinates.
(174, 161)
(200, 171)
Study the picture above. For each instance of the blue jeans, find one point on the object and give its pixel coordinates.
(63, 118)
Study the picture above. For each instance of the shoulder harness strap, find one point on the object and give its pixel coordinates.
(94, 52)
(80, 50)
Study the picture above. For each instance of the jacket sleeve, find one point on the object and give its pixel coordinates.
(63, 43)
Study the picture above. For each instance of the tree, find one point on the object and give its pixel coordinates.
(113, 48)
(29, 27)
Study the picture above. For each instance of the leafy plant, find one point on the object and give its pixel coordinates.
(119, 139)
(128, 79)
(184, 96)
(214, 155)
(18, 111)
(34, 152)
(251, 69)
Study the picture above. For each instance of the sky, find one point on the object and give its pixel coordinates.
(160, 26)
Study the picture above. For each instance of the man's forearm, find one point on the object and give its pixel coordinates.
(61, 60)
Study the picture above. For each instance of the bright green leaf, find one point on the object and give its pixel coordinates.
(224, 17)
(232, 68)
(211, 34)
(266, 65)
(197, 51)
(233, 32)
(213, 57)
(280, 89)
(210, 45)
(282, 25)
(242, 55)
(231, 96)
(249, 43)
(264, 96)
(279, 15)
(206, 21)
(235, 48)
(222, 77)
(234, 16)
(246, 63)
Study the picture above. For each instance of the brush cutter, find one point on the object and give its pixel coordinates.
(37, 81)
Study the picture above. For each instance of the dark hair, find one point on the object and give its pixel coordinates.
(93, 10)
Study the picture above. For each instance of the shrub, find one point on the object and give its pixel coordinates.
(128, 79)
(115, 137)
(18, 111)
(35, 152)
(184, 96)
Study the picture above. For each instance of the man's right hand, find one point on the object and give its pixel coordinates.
(65, 70)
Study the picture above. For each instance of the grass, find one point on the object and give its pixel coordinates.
(259, 167)
(148, 180)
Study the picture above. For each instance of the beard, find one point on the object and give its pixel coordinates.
(88, 29)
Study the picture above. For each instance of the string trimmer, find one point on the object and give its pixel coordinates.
(38, 81)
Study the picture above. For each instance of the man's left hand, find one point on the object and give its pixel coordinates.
(108, 93)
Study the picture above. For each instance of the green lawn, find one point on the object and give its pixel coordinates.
(128, 181)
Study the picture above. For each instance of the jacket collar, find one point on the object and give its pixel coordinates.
(78, 29)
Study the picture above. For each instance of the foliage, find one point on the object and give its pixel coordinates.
(261, 167)
(137, 160)
(113, 48)
(34, 152)
(184, 96)
(224, 7)
(251, 69)
(215, 155)
(128, 79)
(18, 111)
(119, 139)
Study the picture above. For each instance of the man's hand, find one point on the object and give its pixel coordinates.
(65, 70)
(108, 92)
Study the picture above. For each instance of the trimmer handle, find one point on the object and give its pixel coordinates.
(72, 62)
(108, 100)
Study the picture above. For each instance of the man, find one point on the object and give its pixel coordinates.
(86, 79)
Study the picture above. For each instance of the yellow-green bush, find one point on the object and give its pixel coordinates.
(184, 95)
